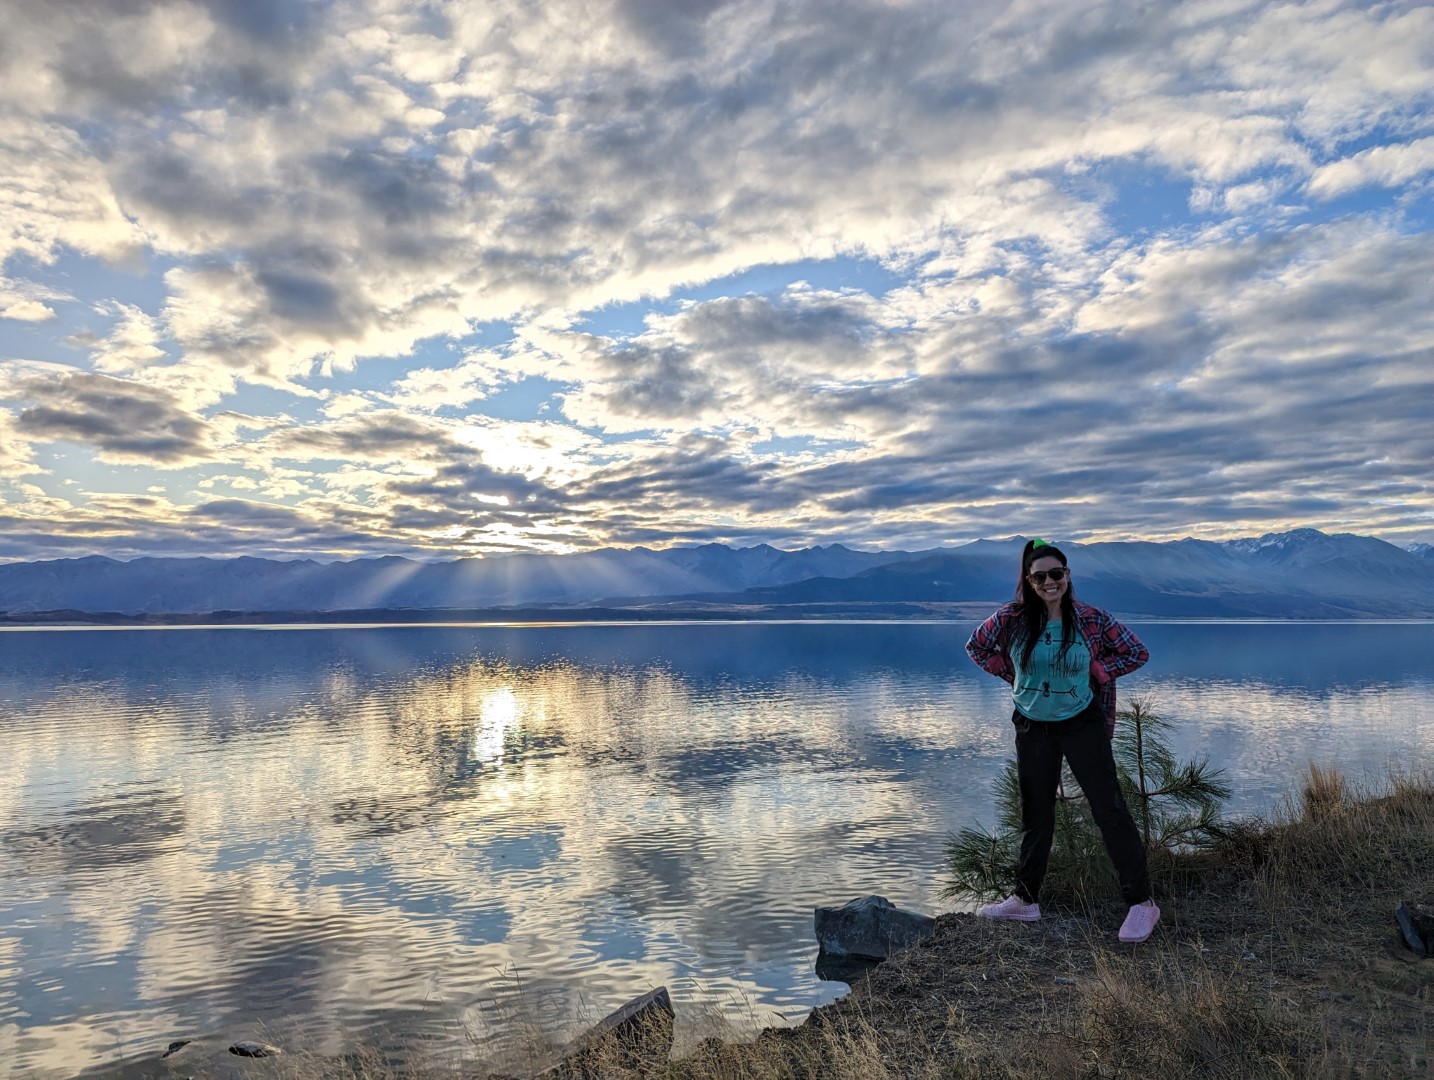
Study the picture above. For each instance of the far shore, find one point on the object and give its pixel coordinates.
(876, 612)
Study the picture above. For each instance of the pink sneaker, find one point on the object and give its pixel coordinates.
(1139, 922)
(1011, 909)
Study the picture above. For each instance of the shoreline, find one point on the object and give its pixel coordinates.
(437, 618)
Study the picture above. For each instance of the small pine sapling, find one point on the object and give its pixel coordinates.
(1176, 806)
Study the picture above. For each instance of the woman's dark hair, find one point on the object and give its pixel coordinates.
(1033, 608)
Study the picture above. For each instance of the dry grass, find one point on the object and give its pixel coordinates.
(1278, 956)
(1323, 792)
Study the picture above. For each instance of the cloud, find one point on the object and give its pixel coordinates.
(378, 435)
(131, 346)
(538, 449)
(17, 452)
(28, 301)
(1190, 391)
(251, 515)
(690, 478)
(781, 363)
(1385, 165)
(28, 311)
(147, 55)
(341, 405)
(473, 378)
(587, 156)
(57, 196)
(1081, 224)
(455, 485)
(125, 422)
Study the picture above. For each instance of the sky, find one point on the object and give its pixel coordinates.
(344, 278)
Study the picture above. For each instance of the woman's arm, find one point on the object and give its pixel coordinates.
(1121, 652)
(986, 650)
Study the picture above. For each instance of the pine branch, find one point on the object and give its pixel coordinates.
(1008, 799)
(981, 864)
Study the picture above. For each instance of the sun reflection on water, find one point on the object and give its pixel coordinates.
(496, 717)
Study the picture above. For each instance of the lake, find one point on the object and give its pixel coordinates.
(320, 836)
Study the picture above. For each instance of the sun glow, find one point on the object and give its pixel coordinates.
(497, 715)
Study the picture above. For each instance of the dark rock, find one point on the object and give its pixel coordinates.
(254, 1049)
(634, 1037)
(871, 927)
(847, 969)
(1417, 923)
(176, 1046)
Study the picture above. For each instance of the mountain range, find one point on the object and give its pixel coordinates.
(1300, 574)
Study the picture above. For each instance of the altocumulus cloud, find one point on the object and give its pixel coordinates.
(785, 271)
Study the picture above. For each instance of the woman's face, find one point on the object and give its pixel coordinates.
(1048, 590)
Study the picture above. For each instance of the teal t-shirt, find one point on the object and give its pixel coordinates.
(1052, 687)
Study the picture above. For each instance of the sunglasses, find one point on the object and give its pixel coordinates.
(1038, 577)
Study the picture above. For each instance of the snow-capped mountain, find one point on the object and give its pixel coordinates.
(1300, 574)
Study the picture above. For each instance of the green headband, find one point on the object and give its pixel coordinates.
(1038, 543)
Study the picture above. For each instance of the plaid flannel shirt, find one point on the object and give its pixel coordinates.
(1114, 650)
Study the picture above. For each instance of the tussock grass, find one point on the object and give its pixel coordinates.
(1278, 956)
(1323, 792)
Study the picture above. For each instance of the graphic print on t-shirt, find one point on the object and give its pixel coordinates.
(1053, 685)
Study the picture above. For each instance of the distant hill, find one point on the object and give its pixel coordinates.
(1301, 574)
(152, 585)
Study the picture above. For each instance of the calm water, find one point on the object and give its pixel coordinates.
(325, 834)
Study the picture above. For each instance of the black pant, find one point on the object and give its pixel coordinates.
(1082, 741)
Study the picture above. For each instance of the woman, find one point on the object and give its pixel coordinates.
(1062, 658)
